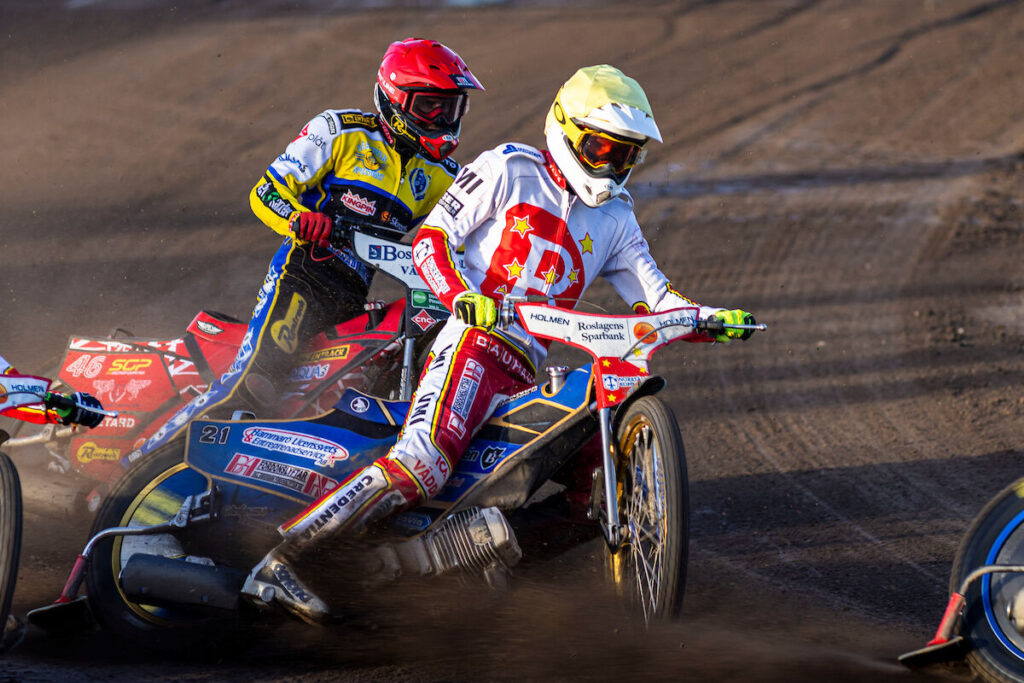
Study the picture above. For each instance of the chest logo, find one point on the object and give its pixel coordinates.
(537, 254)
(370, 161)
(418, 183)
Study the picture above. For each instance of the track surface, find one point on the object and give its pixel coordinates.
(849, 171)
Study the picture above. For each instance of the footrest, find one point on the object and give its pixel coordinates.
(952, 649)
(63, 618)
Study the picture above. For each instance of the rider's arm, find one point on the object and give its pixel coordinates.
(298, 172)
(469, 202)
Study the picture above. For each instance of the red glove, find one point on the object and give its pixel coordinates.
(312, 226)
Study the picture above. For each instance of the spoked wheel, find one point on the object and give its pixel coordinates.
(649, 570)
(150, 493)
(10, 548)
(990, 619)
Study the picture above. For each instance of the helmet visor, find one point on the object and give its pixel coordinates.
(601, 152)
(435, 110)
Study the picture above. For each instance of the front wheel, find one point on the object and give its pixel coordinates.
(10, 538)
(649, 570)
(995, 537)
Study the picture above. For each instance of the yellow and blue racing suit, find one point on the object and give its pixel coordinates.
(341, 165)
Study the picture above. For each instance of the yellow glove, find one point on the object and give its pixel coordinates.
(734, 317)
(475, 309)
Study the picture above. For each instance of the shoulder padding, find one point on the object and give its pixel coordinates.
(518, 149)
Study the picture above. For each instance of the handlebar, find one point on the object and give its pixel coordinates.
(65, 402)
(507, 315)
(717, 326)
(344, 226)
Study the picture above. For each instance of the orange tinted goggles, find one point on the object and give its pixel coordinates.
(603, 151)
(599, 151)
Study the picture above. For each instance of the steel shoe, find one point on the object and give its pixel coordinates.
(273, 580)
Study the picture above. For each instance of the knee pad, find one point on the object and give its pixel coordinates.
(423, 462)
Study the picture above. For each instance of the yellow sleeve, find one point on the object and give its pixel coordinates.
(274, 204)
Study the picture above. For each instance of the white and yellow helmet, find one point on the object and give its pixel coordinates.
(596, 130)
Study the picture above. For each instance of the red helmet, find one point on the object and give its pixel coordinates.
(422, 94)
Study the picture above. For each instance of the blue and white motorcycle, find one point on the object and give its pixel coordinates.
(175, 539)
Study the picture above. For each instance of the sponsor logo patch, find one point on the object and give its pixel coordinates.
(323, 452)
(450, 204)
(358, 203)
(285, 332)
(418, 183)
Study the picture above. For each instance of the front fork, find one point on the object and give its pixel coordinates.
(613, 531)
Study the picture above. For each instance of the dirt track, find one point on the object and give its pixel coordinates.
(849, 171)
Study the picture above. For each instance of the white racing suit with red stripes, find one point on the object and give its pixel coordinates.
(522, 233)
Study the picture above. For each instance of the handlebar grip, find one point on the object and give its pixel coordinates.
(712, 325)
(341, 235)
(58, 401)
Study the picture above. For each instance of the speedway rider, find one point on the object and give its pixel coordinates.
(65, 409)
(530, 222)
(390, 167)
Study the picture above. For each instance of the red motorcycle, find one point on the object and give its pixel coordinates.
(146, 381)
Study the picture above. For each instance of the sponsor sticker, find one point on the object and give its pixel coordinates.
(305, 373)
(333, 353)
(305, 481)
(208, 328)
(423, 320)
(90, 451)
(645, 333)
(323, 452)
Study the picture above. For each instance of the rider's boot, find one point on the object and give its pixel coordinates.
(368, 495)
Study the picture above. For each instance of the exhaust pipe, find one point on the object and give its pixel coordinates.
(167, 582)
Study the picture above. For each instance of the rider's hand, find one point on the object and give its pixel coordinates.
(734, 317)
(76, 408)
(311, 226)
(475, 309)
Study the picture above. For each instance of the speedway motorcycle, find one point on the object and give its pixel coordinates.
(174, 541)
(146, 381)
(984, 619)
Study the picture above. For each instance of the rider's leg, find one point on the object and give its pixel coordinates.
(302, 294)
(470, 372)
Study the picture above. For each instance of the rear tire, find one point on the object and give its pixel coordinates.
(996, 536)
(649, 570)
(149, 493)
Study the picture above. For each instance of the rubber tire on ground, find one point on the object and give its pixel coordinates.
(108, 605)
(651, 416)
(10, 533)
(989, 659)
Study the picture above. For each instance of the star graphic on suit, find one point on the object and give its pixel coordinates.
(514, 269)
(521, 225)
(587, 244)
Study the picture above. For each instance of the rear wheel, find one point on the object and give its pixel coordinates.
(150, 493)
(996, 536)
(10, 534)
(649, 570)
